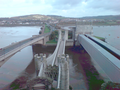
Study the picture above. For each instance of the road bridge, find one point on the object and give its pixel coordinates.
(10, 50)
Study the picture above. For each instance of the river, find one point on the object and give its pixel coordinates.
(79, 62)
(10, 35)
(111, 33)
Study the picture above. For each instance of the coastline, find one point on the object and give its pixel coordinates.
(21, 25)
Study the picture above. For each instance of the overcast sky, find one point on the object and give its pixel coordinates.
(68, 8)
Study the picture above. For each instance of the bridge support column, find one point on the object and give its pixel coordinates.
(36, 58)
(45, 40)
(44, 61)
(66, 34)
(74, 35)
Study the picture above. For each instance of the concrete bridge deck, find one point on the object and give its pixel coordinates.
(12, 49)
(109, 63)
(106, 46)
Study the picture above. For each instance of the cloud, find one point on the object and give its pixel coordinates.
(64, 4)
(105, 4)
(68, 8)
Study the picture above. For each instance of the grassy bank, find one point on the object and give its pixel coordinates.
(101, 38)
(47, 29)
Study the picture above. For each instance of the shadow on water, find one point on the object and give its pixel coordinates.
(29, 71)
(14, 67)
(27, 74)
(85, 74)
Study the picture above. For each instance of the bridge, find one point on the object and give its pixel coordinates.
(56, 67)
(10, 50)
(106, 56)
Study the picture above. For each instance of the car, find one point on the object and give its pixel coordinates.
(0, 48)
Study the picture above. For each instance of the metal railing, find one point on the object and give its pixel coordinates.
(53, 56)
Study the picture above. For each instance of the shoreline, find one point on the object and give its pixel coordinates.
(20, 25)
(59, 24)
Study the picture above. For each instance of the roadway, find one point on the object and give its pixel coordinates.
(10, 50)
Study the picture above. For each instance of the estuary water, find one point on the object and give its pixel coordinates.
(79, 62)
(9, 35)
(110, 33)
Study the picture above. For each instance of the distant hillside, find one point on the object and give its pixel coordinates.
(56, 16)
(33, 17)
(108, 17)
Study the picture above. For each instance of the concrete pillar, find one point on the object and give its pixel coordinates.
(66, 34)
(36, 63)
(44, 41)
(47, 38)
(74, 36)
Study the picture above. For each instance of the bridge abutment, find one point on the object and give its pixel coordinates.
(42, 41)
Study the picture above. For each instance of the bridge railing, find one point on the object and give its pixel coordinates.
(53, 56)
(11, 47)
(59, 77)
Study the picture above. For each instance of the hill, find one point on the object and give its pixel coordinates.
(107, 17)
(33, 17)
(56, 17)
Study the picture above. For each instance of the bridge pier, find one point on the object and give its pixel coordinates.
(45, 40)
(42, 41)
(66, 35)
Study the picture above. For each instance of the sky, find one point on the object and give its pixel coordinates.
(67, 8)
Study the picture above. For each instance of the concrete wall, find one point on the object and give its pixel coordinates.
(42, 41)
(84, 29)
(69, 42)
(39, 42)
(66, 34)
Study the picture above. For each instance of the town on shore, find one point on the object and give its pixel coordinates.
(37, 20)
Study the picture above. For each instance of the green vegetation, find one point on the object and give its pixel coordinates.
(14, 86)
(53, 37)
(69, 34)
(47, 29)
(99, 37)
(111, 23)
(104, 23)
(110, 86)
(93, 82)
